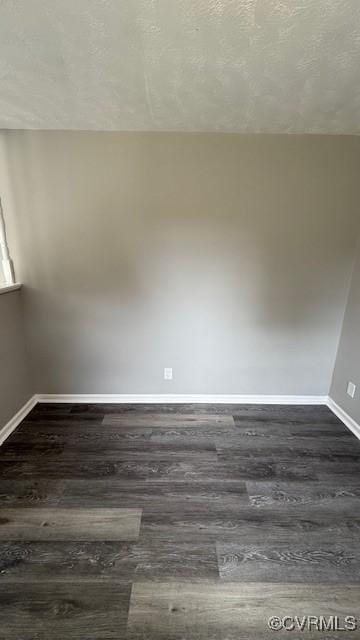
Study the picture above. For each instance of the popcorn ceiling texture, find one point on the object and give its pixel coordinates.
(289, 66)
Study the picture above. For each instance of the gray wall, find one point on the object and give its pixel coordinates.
(14, 379)
(226, 257)
(347, 366)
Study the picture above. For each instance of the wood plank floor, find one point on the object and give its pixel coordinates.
(177, 522)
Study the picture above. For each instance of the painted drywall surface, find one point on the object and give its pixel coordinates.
(347, 367)
(225, 257)
(14, 374)
(218, 65)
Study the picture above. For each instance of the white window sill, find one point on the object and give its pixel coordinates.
(6, 288)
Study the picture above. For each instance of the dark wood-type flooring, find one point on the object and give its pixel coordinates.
(177, 522)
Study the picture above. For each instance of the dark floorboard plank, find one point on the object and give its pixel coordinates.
(288, 414)
(230, 611)
(309, 494)
(65, 561)
(288, 431)
(59, 611)
(278, 447)
(30, 468)
(247, 467)
(50, 413)
(53, 420)
(168, 420)
(337, 470)
(167, 408)
(28, 450)
(81, 432)
(39, 432)
(259, 429)
(51, 408)
(148, 559)
(319, 430)
(69, 524)
(256, 525)
(30, 492)
(196, 470)
(220, 498)
(111, 451)
(301, 561)
(209, 432)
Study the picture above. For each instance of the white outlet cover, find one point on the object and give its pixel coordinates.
(351, 389)
(168, 373)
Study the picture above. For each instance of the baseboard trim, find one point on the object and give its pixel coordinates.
(17, 418)
(181, 398)
(348, 421)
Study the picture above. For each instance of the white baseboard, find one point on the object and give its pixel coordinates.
(16, 419)
(181, 398)
(344, 417)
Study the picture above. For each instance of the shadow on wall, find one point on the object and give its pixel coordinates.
(226, 257)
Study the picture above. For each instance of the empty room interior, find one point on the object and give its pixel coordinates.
(179, 319)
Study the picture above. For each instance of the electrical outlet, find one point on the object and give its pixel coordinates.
(351, 389)
(168, 374)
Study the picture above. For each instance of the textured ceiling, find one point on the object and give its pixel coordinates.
(188, 65)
